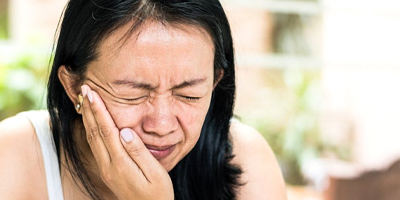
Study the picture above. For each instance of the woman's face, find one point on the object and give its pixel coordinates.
(159, 83)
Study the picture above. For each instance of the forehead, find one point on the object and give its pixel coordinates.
(153, 32)
(155, 52)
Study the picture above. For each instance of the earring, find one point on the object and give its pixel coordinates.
(79, 105)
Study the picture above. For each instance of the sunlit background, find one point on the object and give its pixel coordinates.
(320, 79)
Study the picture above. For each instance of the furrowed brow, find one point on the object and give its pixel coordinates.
(190, 83)
(147, 86)
(134, 84)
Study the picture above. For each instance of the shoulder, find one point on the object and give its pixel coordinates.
(262, 177)
(20, 160)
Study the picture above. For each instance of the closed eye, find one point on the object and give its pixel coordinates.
(133, 99)
(189, 97)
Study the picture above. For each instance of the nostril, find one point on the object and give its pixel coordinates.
(160, 124)
(160, 117)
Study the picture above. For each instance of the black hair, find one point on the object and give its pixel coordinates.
(206, 172)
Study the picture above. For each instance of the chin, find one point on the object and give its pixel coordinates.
(168, 166)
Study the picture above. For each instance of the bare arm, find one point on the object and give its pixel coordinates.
(262, 176)
(21, 165)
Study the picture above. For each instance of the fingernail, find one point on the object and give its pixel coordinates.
(126, 135)
(84, 91)
(90, 97)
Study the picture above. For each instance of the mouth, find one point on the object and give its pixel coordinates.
(160, 152)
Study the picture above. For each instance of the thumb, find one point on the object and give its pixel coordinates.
(132, 143)
(138, 152)
(127, 135)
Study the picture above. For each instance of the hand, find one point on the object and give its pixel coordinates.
(125, 164)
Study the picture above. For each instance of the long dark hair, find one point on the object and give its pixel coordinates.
(206, 172)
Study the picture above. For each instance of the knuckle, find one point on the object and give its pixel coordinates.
(93, 132)
(134, 151)
(105, 131)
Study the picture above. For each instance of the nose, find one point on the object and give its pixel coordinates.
(160, 119)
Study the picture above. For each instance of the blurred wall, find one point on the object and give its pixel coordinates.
(34, 21)
(361, 78)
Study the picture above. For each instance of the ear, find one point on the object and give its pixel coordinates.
(69, 82)
(219, 73)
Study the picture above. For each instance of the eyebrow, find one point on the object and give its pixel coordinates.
(146, 86)
(134, 84)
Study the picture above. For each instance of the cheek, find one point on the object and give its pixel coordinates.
(125, 116)
(192, 119)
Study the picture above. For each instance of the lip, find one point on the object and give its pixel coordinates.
(160, 152)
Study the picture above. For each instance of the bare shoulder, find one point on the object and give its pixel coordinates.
(262, 177)
(21, 162)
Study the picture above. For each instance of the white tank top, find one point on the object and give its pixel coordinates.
(40, 121)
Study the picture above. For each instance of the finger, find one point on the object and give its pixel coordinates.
(94, 139)
(107, 129)
(138, 152)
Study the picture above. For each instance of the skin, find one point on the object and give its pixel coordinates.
(164, 77)
(150, 93)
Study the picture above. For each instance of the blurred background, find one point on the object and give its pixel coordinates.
(318, 78)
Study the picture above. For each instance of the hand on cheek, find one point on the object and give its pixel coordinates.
(126, 166)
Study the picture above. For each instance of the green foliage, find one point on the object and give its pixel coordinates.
(297, 138)
(3, 24)
(22, 85)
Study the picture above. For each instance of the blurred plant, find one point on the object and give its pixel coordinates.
(22, 85)
(297, 139)
(301, 138)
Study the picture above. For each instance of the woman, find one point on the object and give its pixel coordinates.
(140, 101)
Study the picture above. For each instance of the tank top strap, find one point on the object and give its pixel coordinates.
(40, 122)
